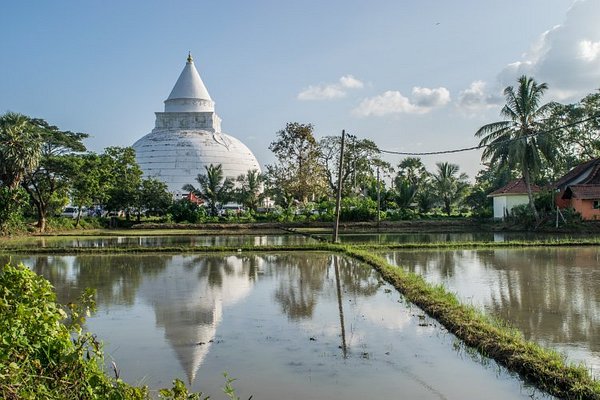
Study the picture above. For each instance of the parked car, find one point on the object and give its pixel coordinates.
(70, 212)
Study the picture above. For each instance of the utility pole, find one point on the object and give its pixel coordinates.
(339, 191)
(378, 199)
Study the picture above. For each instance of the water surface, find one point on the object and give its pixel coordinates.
(156, 241)
(391, 238)
(276, 322)
(552, 294)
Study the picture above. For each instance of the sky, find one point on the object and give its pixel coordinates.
(413, 76)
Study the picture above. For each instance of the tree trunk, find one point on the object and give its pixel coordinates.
(527, 180)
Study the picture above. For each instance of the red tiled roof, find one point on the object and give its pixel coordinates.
(583, 192)
(514, 187)
(576, 172)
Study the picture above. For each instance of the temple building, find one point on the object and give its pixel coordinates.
(187, 137)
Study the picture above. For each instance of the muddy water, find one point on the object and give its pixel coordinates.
(156, 241)
(552, 295)
(278, 323)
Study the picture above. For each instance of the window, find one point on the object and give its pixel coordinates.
(596, 204)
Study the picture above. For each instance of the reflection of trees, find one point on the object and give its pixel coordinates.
(551, 294)
(440, 262)
(306, 277)
(300, 283)
(115, 277)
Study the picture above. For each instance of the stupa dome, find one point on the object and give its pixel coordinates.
(187, 137)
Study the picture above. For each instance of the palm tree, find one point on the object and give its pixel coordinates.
(20, 148)
(213, 188)
(250, 188)
(448, 185)
(515, 140)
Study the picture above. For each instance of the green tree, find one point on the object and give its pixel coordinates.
(20, 148)
(410, 181)
(357, 165)
(122, 176)
(214, 188)
(249, 192)
(580, 142)
(448, 185)
(515, 141)
(154, 197)
(298, 173)
(49, 183)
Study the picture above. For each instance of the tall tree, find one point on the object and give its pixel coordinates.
(48, 184)
(357, 165)
(298, 171)
(516, 141)
(214, 188)
(449, 185)
(122, 176)
(20, 148)
(410, 180)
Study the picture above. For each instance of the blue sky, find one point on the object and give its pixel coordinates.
(412, 76)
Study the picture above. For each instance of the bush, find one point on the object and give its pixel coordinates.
(41, 356)
(185, 211)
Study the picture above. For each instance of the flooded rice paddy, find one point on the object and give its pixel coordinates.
(290, 325)
(550, 294)
(155, 241)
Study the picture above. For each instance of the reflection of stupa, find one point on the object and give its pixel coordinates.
(187, 137)
(190, 309)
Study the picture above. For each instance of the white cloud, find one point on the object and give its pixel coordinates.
(429, 98)
(331, 90)
(567, 57)
(350, 82)
(477, 97)
(589, 50)
(393, 102)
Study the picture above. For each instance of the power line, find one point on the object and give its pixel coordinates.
(431, 153)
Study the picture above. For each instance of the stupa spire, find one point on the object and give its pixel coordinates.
(189, 93)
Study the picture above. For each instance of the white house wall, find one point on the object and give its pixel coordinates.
(504, 204)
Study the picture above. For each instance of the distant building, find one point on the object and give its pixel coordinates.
(187, 137)
(580, 189)
(509, 196)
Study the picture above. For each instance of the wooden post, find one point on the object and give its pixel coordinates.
(339, 191)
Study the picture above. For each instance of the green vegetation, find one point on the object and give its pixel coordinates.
(44, 354)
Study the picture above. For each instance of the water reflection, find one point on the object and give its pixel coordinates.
(550, 294)
(155, 241)
(189, 310)
(394, 238)
(291, 325)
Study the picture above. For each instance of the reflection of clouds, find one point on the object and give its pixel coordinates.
(386, 315)
(190, 310)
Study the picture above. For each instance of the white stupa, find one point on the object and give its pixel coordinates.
(187, 137)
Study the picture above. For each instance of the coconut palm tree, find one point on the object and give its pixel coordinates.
(20, 148)
(213, 188)
(448, 185)
(250, 188)
(515, 141)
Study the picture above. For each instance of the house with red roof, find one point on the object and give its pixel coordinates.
(509, 196)
(580, 189)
